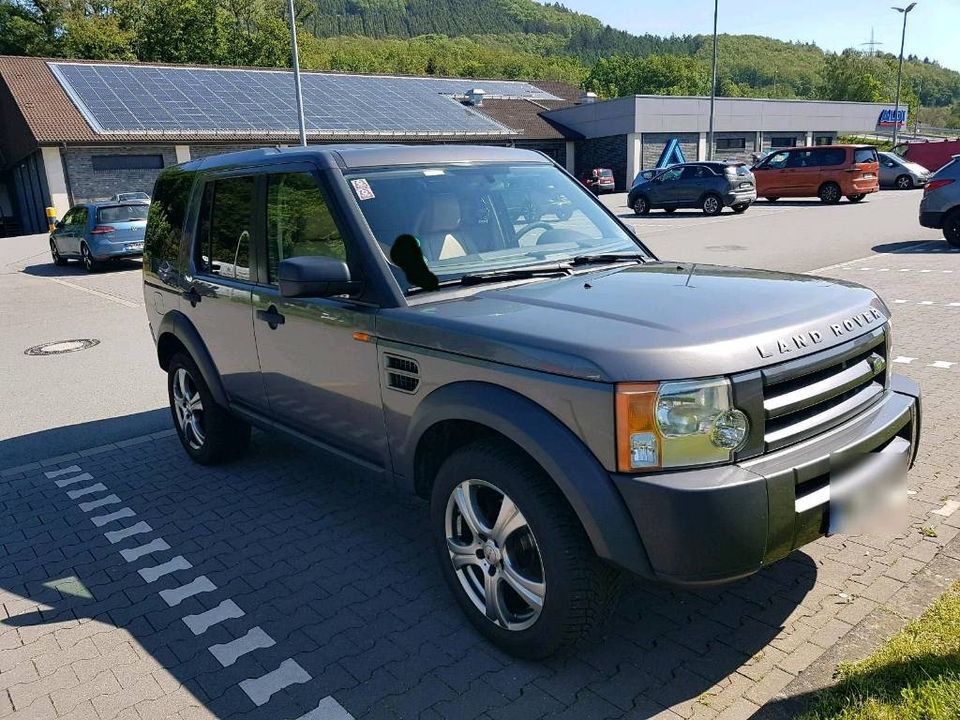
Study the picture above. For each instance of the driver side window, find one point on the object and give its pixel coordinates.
(671, 175)
(777, 161)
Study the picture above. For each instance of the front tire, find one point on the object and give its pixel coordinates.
(771, 199)
(830, 193)
(951, 228)
(514, 554)
(904, 182)
(208, 432)
(641, 206)
(58, 259)
(740, 209)
(856, 198)
(669, 211)
(712, 205)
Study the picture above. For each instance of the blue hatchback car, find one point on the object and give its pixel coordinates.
(96, 232)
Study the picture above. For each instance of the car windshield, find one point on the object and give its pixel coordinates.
(486, 218)
(122, 213)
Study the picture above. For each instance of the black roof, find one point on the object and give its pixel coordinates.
(370, 155)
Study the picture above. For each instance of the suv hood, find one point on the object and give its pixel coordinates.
(658, 321)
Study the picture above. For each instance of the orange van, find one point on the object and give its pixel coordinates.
(825, 171)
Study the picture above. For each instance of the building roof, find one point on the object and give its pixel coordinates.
(36, 109)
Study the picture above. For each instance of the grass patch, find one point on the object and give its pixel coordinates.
(915, 676)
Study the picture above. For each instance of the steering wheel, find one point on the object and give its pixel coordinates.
(533, 226)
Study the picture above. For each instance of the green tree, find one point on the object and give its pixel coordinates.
(652, 75)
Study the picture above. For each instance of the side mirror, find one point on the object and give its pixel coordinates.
(315, 276)
(58, 225)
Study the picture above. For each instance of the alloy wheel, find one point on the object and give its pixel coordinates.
(495, 555)
(54, 252)
(904, 183)
(711, 205)
(830, 193)
(639, 206)
(87, 258)
(188, 408)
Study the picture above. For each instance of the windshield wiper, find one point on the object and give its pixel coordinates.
(608, 258)
(521, 273)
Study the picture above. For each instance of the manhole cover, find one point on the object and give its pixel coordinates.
(60, 347)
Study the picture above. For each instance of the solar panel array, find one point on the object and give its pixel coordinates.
(146, 99)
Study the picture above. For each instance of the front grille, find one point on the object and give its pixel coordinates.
(804, 397)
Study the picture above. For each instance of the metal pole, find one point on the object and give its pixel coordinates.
(896, 105)
(295, 58)
(713, 81)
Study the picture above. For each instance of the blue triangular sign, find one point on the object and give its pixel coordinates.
(671, 155)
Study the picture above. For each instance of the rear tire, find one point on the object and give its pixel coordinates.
(855, 198)
(712, 205)
(669, 210)
(951, 228)
(771, 199)
(208, 432)
(90, 264)
(569, 590)
(903, 182)
(641, 206)
(740, 209)
(830, 193)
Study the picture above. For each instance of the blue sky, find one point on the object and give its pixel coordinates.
(933, 28)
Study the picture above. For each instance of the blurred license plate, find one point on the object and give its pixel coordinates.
(746, 185)
(869, 176)
(135, 246)
(877, 482)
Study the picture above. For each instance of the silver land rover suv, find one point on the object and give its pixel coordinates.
(570, 406)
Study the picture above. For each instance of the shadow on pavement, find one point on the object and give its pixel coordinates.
(339, 570)
(72, 438)
(73, 268)
(924, 247)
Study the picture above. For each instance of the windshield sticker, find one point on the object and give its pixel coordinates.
(362, 188)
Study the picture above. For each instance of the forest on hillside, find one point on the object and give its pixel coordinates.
(518, 39)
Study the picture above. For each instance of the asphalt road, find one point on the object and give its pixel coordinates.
(115, 390)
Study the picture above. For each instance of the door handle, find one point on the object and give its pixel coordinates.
(271, 317)
(192, 295)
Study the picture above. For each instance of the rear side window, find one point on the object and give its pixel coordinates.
(299, 222)
(121, 213)
(226, 221)
(864, 155)
(832, 156)
(696, 171)
(165, 217)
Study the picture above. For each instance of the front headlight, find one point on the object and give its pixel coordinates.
(677, 424)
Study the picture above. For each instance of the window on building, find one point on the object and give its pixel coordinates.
(299, 221)
(731, 143)
(783, 141)
(823, 140)
(127, 162)
(226, 215)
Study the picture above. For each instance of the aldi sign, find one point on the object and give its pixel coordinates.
(890, 117)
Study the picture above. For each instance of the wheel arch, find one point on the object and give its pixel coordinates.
(177, 334)
(460, 413)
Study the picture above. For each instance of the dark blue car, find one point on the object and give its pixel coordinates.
(710, 186)
(96, 232)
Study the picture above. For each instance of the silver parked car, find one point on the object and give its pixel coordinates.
(895, 172)
(940, 206)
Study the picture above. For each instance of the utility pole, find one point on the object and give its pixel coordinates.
(903, 36)
(713, 81)
(295, 61)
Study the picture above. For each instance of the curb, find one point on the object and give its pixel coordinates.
(56, 459)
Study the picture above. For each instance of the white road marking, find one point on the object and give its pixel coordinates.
(927, 302)
(102, 520)
(90, 489)
(152, 574)
(883, 269)
(175, 596)
(261, 689)
(115, 536)
(949, 509)
(926, 271)
(201, 622)
(953, 304)
(98, 293)
(94, 504)
(228, 653)
(70, 481)
(51, 474)
(131, 554)
(328, 709)
(899, 301)
(941, 364)
(905, 270)
(903, 360)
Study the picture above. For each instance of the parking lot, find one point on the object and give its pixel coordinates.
(135, 584)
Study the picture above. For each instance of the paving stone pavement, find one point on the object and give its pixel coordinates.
(288, 585)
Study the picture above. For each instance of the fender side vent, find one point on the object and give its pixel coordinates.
(403, 374)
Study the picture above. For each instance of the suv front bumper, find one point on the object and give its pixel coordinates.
(702, 527)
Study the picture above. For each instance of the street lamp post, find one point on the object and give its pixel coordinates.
(295, 60)
(903, 36)
(713, 81)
